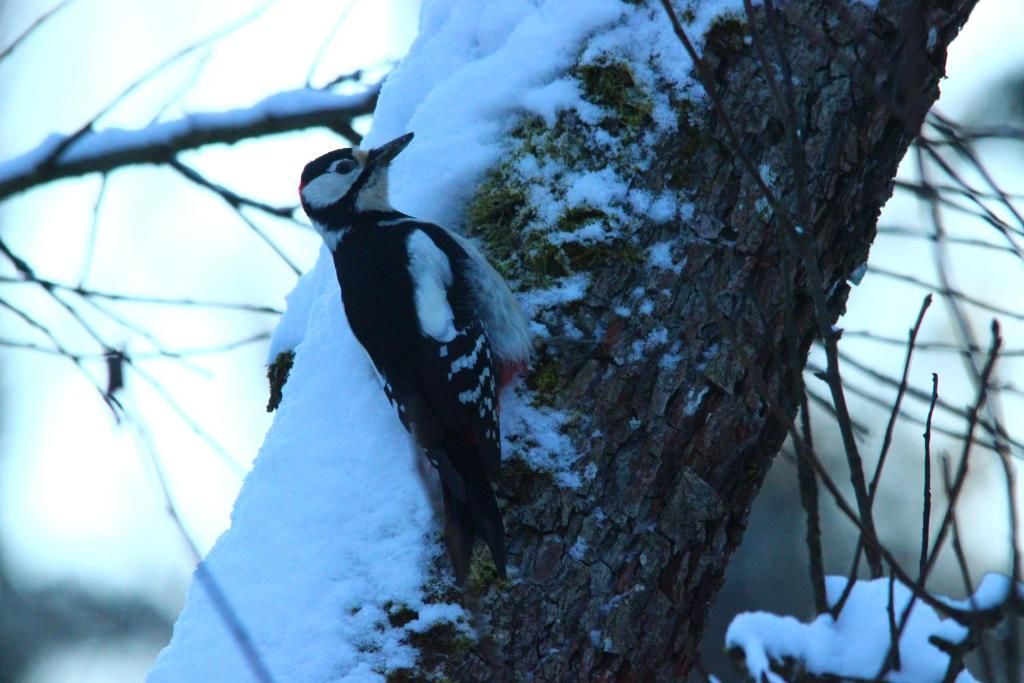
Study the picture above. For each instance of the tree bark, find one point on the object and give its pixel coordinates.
(681, 448)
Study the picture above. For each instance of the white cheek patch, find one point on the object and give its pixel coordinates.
(431, 276)
(328, 189)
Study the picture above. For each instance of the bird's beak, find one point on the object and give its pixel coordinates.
(385, 153)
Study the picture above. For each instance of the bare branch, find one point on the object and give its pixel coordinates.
(58, 349)
(948, 292)
(965, 241)
(993, 429)
(921, 346)
(141, 299)
(233, 198)
(869, 538)
(952, 131)
(162, 353)
(954, 493)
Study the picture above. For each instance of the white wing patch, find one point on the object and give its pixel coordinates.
(431, 277)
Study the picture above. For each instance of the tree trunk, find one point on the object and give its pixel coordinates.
(616, 576)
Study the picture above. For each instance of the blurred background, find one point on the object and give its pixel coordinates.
(93, 569)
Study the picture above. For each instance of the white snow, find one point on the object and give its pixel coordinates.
(332, 523)
(578, 550)
(567, 289)
(475, 67)
(534, 434)
(991, 591)
(853, 646)
(558, 95)
(599, 188)
(641, 349)
(694, 397)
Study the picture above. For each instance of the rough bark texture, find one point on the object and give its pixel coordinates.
(681, 449)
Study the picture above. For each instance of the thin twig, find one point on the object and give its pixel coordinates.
(949, 293)
(162, 354)
(926, 508)
(232, 198)
(965, 573)
(995, 430)
(920, 345)
(885, 404)
(184, 88)
(809, 501)
(328, 39)
(788, 423)
(141, 299)
(1004, 229)
(137, 329)
(32, 28)
(894, 635)
(955, 490)
(851, 580)
(966, 151)
(90, 245)
(900, 392)
(205, 436)
(59, 349)
(913, 233)
(218, 598)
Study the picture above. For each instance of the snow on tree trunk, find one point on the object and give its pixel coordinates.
(573, 141)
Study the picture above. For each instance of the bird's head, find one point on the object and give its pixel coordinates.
(347, 181)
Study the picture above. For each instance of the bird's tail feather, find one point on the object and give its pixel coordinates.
(472, 515)
(458, 533)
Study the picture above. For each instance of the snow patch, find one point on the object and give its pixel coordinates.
(331, 525)
(535, 435)
(855, 645)
(566, 290)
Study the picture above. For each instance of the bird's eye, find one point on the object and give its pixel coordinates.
(344, 166)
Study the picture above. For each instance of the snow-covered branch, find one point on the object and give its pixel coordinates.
(61, 156)
(855, 645)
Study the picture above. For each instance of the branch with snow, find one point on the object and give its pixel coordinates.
(62, 156)
(855, 645)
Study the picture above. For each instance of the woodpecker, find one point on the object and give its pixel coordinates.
(439, 325)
